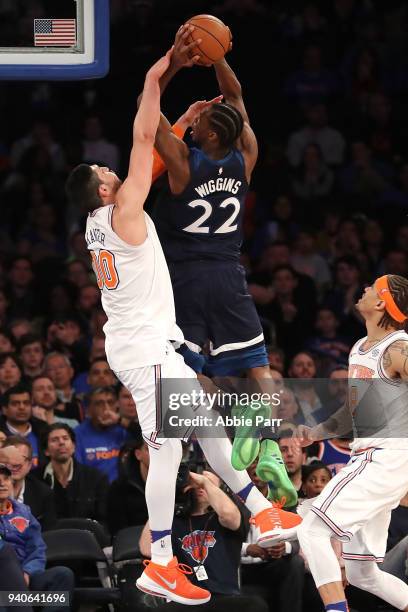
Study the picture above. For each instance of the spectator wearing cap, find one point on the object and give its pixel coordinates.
(45, 402)
(17, 419)
(58, 368)
(100, 437)
(79, 491)
(28, 489)
(20, 529)
(31, 352)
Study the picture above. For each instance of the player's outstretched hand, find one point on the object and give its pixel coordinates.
(305, 435)
(160, 67)
(183, 50)
(196, 108)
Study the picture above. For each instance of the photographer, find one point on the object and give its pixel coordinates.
(207, 535)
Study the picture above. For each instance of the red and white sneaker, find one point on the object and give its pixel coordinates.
(275, 525)
(171, 583)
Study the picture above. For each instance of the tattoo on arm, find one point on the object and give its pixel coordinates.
(399, 351)
(386, 360)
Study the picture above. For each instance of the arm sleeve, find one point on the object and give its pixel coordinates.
(158, 164)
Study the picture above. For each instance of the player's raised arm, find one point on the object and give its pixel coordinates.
(179, 128)
(172, 149)
(132, 194)
(231, 89)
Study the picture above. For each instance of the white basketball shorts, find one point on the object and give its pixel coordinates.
(145, 386)
(357, 502)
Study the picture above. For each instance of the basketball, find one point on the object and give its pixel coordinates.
(215, 38)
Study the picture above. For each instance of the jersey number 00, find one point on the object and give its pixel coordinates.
(105, 269)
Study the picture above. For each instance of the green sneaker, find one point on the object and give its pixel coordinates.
(271, 469)
(246, 445)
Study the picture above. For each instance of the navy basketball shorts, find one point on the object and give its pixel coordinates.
(213, 304)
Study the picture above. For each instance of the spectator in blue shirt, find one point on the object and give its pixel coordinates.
(100, 437)
(18, 420)
(22, 531)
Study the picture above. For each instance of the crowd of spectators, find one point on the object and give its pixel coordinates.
(326, 213)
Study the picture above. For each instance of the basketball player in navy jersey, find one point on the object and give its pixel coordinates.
(199, 221)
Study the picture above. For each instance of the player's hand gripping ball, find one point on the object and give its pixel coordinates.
(215, 39)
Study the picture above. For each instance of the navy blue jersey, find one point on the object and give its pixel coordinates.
(205, 220)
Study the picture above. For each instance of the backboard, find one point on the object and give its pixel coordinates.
(54, 39)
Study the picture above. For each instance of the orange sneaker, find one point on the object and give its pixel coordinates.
(171, 583)
(274, 525)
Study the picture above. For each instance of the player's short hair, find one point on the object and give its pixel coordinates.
(399, 290)
(82, 187)
(227, 122)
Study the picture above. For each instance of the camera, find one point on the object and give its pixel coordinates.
(184, 502)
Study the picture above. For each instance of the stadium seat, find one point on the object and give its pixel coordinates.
(80, 550)
(126, 544)
(91, 525)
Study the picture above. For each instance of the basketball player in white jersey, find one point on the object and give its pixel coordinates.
(356, 505)
(137, 297)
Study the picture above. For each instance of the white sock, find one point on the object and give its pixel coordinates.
(160, 497)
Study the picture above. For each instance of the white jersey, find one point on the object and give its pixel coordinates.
(137, 295)
(381, 406)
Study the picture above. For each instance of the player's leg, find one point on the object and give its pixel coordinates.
(269, 520)
(368, 576)
(363, 553)
(162, 577)
(238, 347)
(189, 300)
(352, 508)
(314, 537)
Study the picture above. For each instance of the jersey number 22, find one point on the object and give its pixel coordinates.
(198, 227)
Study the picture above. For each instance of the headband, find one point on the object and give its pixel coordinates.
(383, 290)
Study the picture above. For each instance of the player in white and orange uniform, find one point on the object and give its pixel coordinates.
(356, 505)
(138, 300)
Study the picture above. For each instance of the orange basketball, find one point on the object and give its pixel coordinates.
(215, 38)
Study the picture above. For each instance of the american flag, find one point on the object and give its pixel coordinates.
(54, 32)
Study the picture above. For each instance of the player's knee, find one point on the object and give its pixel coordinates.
(362, 574)
(311, 530)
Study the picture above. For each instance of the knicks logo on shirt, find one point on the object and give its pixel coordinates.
(360, 371)
(197, 543)
(20, 523)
